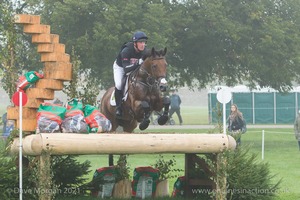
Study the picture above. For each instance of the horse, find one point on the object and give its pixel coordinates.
(144, 95)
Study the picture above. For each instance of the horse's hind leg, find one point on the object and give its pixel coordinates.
(165, 116)
(146, 121)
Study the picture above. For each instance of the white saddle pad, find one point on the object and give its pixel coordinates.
(125, 94)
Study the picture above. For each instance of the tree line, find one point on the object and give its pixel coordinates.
(209, 42)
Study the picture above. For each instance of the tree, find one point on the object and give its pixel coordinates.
(16, 53)
(240, 42)
(8, 50)
(98, 29)
(82, 85)
(209, 42)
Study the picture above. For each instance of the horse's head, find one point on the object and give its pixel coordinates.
(156, 66)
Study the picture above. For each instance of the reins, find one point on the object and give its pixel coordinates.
(150, 81)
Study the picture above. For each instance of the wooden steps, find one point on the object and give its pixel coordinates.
(57, 69)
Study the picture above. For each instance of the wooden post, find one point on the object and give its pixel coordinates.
(194, 183)
(45, 179)
(162, 189)
(221, 191)
(189, 165)
(122, 189)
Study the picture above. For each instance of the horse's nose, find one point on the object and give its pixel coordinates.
(163, 85)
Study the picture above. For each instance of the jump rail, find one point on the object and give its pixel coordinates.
(131, 143)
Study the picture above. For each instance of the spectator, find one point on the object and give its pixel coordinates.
(236, 123)
(175, 105)
(8, 126)
(297, 128)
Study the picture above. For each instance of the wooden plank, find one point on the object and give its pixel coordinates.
(27, 19)
(28, 125)
(34, 103)
(56, 66)
(54, 38)
(58, 71)
(28, 113)
(40, 93)
(51, 47)
(36, 28)
(41, 38)
(50, 84)
(61, 57)
(45, 38)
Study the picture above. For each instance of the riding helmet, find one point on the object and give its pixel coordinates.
(139, 36)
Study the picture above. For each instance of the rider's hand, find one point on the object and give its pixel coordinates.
(140, 61)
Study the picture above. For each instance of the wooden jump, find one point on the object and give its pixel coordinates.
(131, 143)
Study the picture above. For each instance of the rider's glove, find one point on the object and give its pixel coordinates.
(140, 61)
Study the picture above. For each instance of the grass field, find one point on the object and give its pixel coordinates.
(192, 115)
(281, 153)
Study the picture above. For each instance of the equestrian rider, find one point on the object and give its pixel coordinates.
(128, 59)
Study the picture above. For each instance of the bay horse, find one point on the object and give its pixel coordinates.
(144, 95)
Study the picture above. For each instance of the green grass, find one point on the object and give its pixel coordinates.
(282, 154)
(192, 115)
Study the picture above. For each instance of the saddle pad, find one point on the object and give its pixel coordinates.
(112, 99)
(125, 94)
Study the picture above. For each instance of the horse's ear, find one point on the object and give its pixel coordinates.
(165, 51)
(153, 52)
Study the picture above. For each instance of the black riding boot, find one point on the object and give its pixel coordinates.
(118, 97)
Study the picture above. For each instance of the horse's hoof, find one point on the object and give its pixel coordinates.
(163, 119)
(144, 124)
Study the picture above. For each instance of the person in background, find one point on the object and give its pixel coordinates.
(175, 105)
(236, 123)
(297, 128)
(128, 59)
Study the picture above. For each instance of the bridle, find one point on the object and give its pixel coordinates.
(150, 81)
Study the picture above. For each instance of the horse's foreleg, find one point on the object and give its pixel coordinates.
(146, 121)
(165, 116)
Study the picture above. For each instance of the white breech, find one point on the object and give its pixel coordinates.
(118, 76)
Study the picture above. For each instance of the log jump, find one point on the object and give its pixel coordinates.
(124, 143)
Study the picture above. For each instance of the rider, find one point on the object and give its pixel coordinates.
(128, 59)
